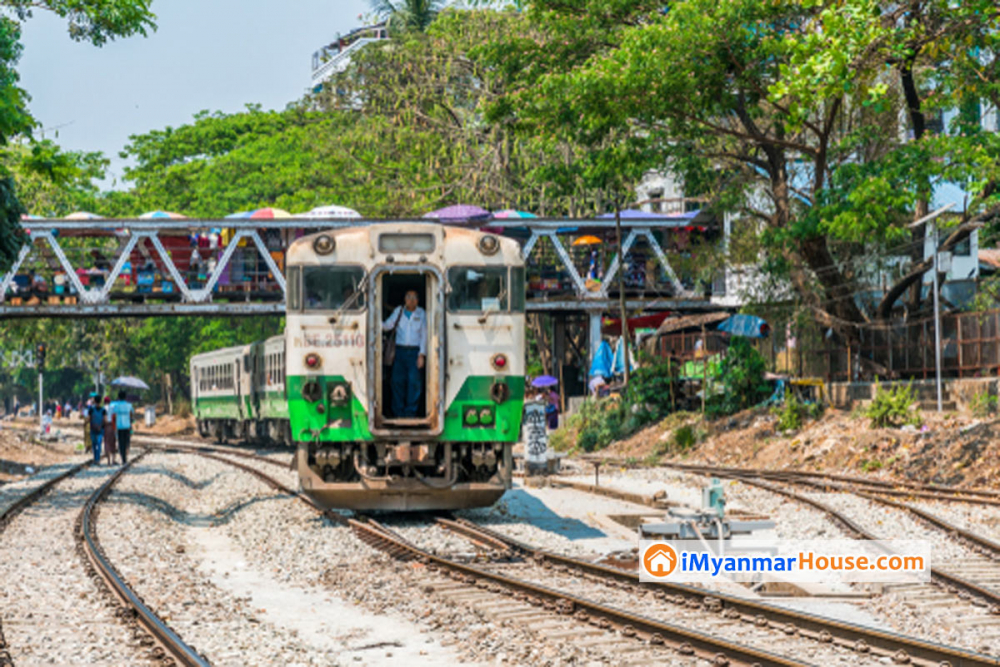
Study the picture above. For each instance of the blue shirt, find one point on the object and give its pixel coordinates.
(122, 410)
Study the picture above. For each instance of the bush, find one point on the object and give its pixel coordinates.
(741, 379)
(793, 413)
(983, 404)
(892, 407)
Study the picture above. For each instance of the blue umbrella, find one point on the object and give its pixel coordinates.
(130, 382)
(749, 326)
(544, 381)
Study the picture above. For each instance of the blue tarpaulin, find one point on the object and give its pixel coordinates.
(749, 326)
(619, 364)
(602, 361)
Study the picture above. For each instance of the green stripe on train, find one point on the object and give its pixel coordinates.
(217, 407)
(351, 422)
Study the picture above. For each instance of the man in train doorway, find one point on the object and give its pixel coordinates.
(409, 324)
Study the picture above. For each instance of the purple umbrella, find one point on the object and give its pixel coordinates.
(459, 213)
(544, 381)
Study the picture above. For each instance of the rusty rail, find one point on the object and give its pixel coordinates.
(848, 635)
(717, 650)
(172, 648)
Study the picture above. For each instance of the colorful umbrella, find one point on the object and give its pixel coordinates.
(509, 213)
(632, 214)
(459, 213)
(332, 211)
(162, 215)
(588, 240)
(242, 215)
(269, 214)
(544, 381)
(83, 215)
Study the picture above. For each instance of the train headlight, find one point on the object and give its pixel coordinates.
(339, 395)
(311, 391)
(499, 361)
(486, 416)
(471, 417)
(489, 244)
(313, 361)
(324, 244)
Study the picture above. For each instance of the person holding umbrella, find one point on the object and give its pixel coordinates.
(552, 409)
(124, 412)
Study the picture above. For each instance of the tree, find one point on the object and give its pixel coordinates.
(408, 15)
(786, 111)
(96, 21)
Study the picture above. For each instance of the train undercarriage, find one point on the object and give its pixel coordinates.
(400, 475)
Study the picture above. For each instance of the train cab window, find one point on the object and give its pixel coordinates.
(333, 287)
(478, 288)
(293, 283)
(517, 289)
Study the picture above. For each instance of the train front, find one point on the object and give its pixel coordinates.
(355, 447)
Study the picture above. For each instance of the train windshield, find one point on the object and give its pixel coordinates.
(478, 288)
(330, 288)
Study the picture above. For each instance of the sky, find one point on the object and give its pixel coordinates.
(206, 54)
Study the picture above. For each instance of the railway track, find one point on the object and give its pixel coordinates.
(892, 646)
(12, 510)
(153, 633)
(667, 636)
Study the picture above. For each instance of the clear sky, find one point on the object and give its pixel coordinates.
(206, 54)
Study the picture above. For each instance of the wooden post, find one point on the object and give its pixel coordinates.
(169, 387)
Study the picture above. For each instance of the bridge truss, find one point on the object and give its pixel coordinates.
(62, 248)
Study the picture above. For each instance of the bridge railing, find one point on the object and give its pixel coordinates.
(226, 265)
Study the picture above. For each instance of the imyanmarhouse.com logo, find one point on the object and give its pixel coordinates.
(785, 560)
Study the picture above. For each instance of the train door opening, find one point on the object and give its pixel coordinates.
(406, 387)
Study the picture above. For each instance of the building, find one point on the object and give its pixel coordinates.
(335, 56)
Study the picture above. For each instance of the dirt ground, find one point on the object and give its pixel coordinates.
(22, 453)
(952, 448)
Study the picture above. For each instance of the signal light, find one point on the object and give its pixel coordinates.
(485, 416)
(40, 356)
(471, 416)
(313, 360)
(499, 361)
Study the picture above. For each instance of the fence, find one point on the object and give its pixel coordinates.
(970, 347)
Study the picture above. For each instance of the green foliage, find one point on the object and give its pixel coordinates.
(685, 437)
(741, 379)
(408, 15)
(871, 465)
(983, 404)
(793, 413)
(647, 399)
(892, 407)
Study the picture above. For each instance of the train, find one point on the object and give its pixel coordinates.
(323, 387)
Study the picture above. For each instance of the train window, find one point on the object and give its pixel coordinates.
(477, 288)
(406, 243)
(332, 287)
(517, 289)
(293, 283)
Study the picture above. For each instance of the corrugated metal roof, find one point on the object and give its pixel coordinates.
(688, 321)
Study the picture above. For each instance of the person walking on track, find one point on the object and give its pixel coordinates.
(96, 416)
(123, 412)
(110, 439)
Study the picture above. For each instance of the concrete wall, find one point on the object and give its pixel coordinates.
(961, 391)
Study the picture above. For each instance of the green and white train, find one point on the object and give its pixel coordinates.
(323, 387)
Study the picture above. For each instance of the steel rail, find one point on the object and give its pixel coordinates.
(6, 659)
(717, 650)
(843, 633)
(952, 582)
(892, 487)
(171, 643)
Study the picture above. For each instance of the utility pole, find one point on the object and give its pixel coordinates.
(937, 308)
(621, 291)
(40, 363)
(937, 322)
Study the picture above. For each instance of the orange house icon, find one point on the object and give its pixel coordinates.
(660, 560)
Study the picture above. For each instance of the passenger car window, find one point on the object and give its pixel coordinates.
(329, 287)
(477, 288)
